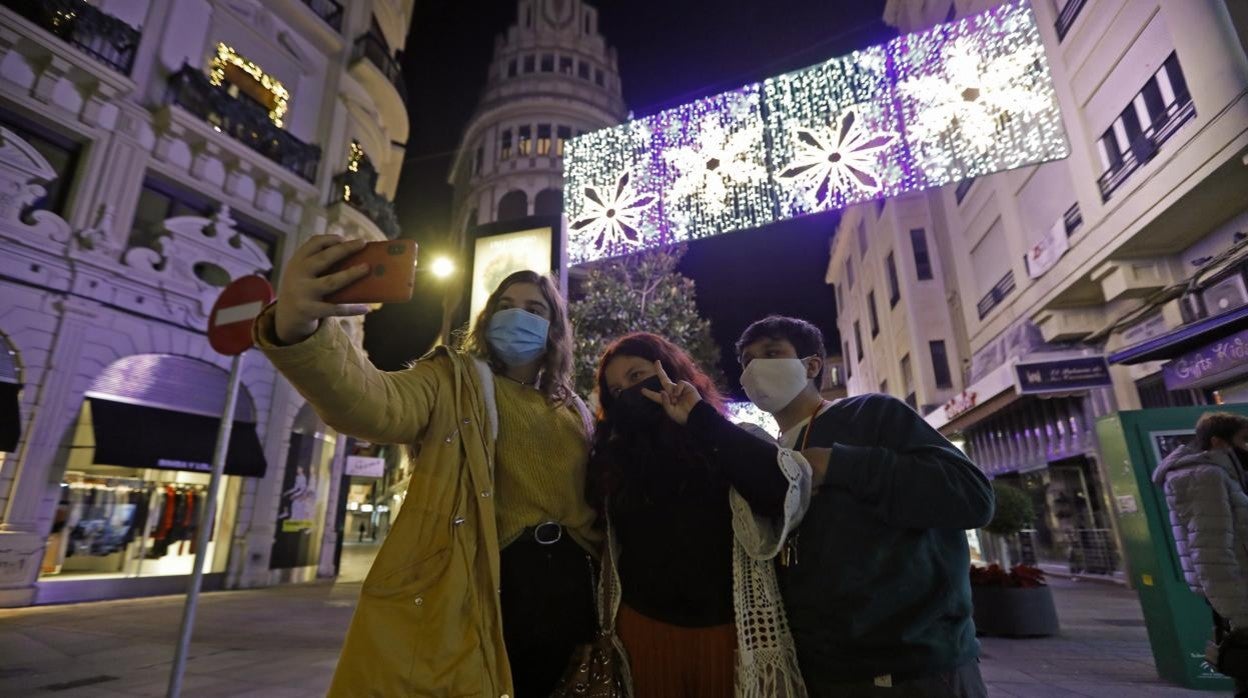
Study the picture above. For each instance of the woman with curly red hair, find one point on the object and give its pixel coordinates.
(695, 507)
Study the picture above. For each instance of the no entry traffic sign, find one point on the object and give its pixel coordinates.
(229, 325)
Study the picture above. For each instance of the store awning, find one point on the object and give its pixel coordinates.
(10, 416)
(139, 436)
(1183, 339)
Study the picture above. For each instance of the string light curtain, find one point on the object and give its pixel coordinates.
(961, 100)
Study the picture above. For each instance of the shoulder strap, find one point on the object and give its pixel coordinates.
(486, 376)
(587, 418)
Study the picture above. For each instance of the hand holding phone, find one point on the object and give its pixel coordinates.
(314, 272)
(391, 277)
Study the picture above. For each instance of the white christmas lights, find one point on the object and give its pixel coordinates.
(961, 100)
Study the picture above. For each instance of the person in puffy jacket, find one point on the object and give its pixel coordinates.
(1206, 486)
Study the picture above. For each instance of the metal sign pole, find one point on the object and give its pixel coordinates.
(206, 518)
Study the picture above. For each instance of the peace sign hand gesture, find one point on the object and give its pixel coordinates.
(677, 399)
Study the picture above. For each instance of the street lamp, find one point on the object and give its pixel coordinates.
(442, 267)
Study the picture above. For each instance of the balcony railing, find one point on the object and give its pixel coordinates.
(1069, 13)
(359, 190)
(1146, 145)
(998, 293)
(244, 121)
(1072, 219)
(101, 36)
(374, 48)
(328, 10)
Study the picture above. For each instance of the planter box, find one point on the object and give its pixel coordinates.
(1014, 612)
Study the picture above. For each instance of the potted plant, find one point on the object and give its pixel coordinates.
(1012, 602)
(1013, 513)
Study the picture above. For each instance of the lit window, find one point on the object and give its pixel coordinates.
(543, 139)
(524, 141)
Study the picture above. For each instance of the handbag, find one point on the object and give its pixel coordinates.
(593, 672)
(1229, 654)
(596, 669)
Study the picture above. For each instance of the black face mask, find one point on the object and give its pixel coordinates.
(634, 411)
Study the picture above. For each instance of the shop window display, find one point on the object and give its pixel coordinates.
(1071, 528)
(113, 521)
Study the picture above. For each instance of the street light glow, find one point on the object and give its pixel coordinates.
(442, 267)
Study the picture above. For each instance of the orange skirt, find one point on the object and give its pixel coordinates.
(669, 661)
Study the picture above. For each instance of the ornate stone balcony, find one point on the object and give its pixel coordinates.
(191, 90)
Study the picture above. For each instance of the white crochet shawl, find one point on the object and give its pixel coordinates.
(766, 657)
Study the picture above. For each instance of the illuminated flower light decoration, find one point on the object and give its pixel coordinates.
(611, 205)
(976, 96)
(838, 129)
(713, 170)
(613, 216)
(833, 163)
(924, 110)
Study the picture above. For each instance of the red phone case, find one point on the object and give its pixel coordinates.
(393, 275)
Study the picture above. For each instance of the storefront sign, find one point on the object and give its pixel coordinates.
(1197, 367)
(1044, 254)
(1063, 375)
(366, 466)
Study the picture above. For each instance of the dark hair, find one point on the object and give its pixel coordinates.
(1224, 425)
(651, 347)
(805, 337)
(556, 377)
(626, 466)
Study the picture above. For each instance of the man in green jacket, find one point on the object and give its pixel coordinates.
(876, 579)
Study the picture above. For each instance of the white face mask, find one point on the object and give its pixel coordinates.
(773, 383)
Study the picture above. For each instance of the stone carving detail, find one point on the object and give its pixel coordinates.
(188, 244)
(22, 169)
(98, 237)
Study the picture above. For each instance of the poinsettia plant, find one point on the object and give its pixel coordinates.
(1018, 577)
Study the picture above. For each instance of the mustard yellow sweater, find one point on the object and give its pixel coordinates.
(540, 469)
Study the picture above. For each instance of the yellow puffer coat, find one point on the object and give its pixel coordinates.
(428, 621)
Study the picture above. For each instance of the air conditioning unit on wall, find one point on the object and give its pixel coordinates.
(1191, 308)
(1225, 295)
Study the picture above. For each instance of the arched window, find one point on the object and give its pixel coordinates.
(513, 205)
(549, 202)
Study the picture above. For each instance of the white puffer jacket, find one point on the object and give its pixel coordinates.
(1209, 515)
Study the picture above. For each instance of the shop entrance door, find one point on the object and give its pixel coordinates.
(1179, 622)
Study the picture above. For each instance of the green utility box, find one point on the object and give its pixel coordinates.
(1179, 622)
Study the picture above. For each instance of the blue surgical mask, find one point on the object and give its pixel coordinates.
(517, 336)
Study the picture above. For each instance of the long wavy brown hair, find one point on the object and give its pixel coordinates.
(630, 467)
(555, 381)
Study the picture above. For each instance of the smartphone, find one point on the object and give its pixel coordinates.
(392, 275)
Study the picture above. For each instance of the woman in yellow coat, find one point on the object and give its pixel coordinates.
(483, 586)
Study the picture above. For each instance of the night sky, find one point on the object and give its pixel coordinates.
(670, 52)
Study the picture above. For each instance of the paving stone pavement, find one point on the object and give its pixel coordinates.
(283, 642)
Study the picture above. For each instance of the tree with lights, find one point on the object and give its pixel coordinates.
(639, 293)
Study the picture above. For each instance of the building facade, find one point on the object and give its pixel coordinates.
(150, 152)
(1030, 279)
(553, 77)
